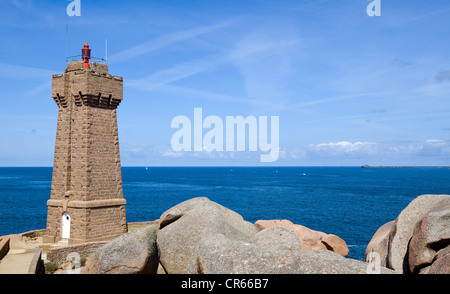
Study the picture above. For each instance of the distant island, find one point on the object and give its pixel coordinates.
(401, 166)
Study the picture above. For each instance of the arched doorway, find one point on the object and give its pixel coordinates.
(65, 225)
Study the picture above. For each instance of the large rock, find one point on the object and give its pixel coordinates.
(135, 252)
(335, 244)
(441, 263)
(311, 240)
(403, 228)
(220, 255)
(184, 226)
(380, 242)
(431, 234)
(279, 237)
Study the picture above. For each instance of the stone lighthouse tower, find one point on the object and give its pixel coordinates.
(86, 201)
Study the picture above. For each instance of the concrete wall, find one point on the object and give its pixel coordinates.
(59, 254)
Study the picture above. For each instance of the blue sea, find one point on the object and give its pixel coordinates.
(350, 202)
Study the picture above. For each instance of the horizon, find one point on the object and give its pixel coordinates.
(349, 89)
(270, 166)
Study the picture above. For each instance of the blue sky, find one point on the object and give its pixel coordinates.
(349, 89)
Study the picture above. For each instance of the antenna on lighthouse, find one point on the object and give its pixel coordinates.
(106, 50)
(67, 41)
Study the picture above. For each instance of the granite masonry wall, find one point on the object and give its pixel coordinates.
(86, 180)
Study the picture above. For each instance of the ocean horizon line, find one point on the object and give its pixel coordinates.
(257, 166)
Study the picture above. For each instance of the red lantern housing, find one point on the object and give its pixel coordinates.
(86, 55)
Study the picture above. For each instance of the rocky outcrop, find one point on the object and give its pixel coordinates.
(186, 224)
(403, 228)
(417, 239)
(311, 240)
(220, 255)
(431, 235)
(132, 253)
(380, 242)
(201, 236)
(335, 244)
(278, 237)
(441, 263)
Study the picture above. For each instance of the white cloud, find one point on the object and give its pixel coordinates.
(331, 153)
(297, 153)
(434, 147)
(282, 153)
(139, 152)
(386, 153)
(344, 148)
(172, 154)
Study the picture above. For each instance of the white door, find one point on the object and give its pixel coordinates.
(65, 225)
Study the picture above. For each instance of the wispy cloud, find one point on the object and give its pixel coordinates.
(402, 63)
(262, 55)
(443, 76)
(436, 89)
(203, 94)
(313, 102)
(46, 86)
(22, 4)
(265, 58)
(11, 71)
(423, 15)
(175, 73)
(164, 41)
(25, 73)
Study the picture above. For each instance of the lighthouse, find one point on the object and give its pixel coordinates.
(86, 201)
